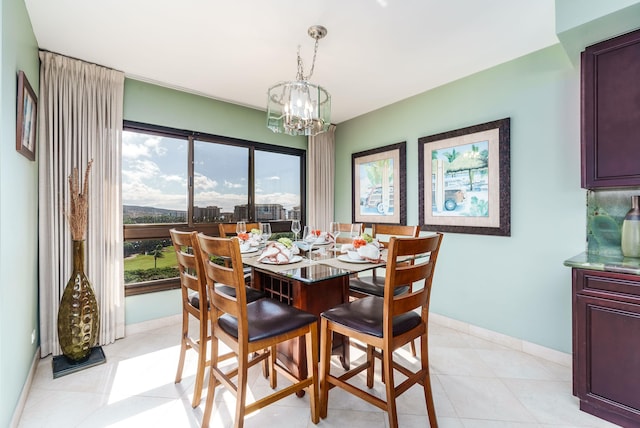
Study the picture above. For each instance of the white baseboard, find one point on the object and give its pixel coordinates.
(17, 412)
(553, 355)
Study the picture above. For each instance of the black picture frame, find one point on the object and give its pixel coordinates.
(27, 118)
(379, 185)
(465, 180)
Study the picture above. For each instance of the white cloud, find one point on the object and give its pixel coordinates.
(230, 185)
(202, 182)
(272, 178)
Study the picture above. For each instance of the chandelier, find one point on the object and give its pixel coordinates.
(300, 107)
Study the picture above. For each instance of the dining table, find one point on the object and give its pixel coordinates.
(315, 282)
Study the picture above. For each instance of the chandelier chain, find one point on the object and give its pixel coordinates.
(300, 74)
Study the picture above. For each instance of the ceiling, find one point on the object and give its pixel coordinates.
(376, 52)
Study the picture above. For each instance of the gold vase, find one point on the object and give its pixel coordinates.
(78, 316)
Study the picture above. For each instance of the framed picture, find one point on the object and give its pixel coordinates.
(27, 113)
(378, 186)
(464, 180)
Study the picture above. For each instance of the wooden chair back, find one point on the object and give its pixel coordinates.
(383, 232)
(223, 265)
(345, 233)
(194, 304)
(424, 253)
(229, 229)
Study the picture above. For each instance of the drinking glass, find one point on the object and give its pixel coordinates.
(295, 227)
(334, 230)
(356, 228)
(265, 229)
(309, 238)
(241, 227)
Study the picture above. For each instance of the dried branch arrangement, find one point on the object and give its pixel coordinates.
(79, 205)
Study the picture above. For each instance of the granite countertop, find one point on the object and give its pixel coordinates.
(618, 264)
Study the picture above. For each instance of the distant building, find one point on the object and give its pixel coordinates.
(206, 215)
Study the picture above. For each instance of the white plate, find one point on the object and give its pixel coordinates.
(250, 250)
(295, 259)
(346, 258)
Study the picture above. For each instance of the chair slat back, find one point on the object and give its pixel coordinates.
(424, 252)
(186, 247)
(228, 230)
(384, 232)
(223, 265)
(345, 233)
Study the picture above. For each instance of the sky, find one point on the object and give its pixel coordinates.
(154, 174)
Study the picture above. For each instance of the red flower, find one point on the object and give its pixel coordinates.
(316, 232)
(243, 236)
(359, 242)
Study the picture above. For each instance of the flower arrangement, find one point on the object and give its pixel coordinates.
(79, 204)
(243, 236)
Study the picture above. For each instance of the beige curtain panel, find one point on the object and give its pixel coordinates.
(321, 169)
(80, 118)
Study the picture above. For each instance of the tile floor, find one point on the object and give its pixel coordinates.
(477, 384)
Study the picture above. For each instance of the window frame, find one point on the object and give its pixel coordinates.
(161, 230)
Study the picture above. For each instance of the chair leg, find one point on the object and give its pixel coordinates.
(183, 346)
(371, 359)
(241, 394)
(428, 392)
(387, 368)
(211, 388)
(202, 365)
(312, 364)
(273, 380)
(413, 348)
(326, 343)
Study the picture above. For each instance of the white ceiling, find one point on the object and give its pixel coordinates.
(376, 52)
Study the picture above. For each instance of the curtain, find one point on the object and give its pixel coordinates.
(80, 118)
(321, 167)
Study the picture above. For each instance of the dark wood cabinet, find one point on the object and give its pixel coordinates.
(606, 345)
(610, 104)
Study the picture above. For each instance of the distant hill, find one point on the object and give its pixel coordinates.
(133, 211)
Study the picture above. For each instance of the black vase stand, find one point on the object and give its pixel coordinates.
(63, 366)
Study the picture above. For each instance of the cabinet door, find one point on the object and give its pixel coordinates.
(610, 117)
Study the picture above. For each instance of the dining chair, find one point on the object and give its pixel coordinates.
(386, 323)
(193, 288)
(228, 230)
(195, 304)
(345, 233)
(247, 328)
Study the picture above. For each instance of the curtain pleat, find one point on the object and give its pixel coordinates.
(80, 118)
(321, 167)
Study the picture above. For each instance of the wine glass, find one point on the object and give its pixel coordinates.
(356, 228)
(309, 238)
(295, 227)
(241, 227)
(334, 230)
(265, 231)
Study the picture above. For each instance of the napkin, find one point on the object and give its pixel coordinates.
(370, 252)
(278, 253)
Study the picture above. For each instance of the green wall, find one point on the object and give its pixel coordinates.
(513, 285)
(18, 215)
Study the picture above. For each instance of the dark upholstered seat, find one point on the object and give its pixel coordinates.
(365, 315)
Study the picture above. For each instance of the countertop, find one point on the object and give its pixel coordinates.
(605, 263)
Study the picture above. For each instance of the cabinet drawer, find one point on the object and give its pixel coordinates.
(623, 287)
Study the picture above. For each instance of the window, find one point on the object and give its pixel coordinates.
(188, 180)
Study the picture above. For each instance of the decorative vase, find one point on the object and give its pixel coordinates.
(78, 316)
(630, 239)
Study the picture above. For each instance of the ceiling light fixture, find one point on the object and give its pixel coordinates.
(299, 107)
